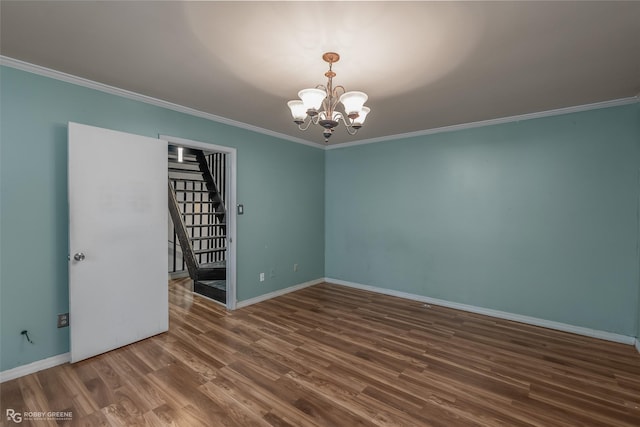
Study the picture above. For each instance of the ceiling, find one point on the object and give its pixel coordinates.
(424, 65)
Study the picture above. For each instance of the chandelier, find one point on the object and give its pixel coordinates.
(319, 105)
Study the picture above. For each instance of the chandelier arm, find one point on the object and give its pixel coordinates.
(305, 125)
(335, 91)
(350, 129)
(336, 97)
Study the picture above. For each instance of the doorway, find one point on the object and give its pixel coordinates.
(201, 226)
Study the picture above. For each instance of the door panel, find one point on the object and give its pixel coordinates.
(117, 219)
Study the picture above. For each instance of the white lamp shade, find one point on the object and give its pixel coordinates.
(353, 101)
(312, 98)
(298, 110)
(362, 115)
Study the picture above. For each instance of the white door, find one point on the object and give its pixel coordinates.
(117, 239)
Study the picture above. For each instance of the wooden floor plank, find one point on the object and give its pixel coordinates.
(329, 355)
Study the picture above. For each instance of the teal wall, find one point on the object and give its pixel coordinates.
(538, 217)
(280, 183)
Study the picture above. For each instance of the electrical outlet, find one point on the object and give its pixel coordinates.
(295, 267)
(63, 320)
(262, 277)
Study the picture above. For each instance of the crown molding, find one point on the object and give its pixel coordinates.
(482, 123)
(80, 81)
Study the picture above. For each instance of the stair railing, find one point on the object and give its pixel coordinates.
(183, 237)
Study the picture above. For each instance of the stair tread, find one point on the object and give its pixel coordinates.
(186, 160)
(220, 284)
(208, 251)
(210, 291)
(207, 202)
(208, 237)
(174, 155)
(197, 201)
(187, 180)
(216, 264)
(186, 153)
(180, 170)
(203, 213)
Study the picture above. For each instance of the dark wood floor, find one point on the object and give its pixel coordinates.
(334, 356)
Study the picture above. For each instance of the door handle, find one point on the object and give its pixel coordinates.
(79, 256)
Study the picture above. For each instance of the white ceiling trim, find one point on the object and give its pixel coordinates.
(69, 78)
(482, 123)
(80, 81)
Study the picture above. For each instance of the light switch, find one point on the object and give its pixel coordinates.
(240, 209)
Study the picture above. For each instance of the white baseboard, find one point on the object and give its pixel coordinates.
(39, 365)
(277, 293)
(638, 344)
(594, 333)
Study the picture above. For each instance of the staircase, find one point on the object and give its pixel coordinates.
(198, 213)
